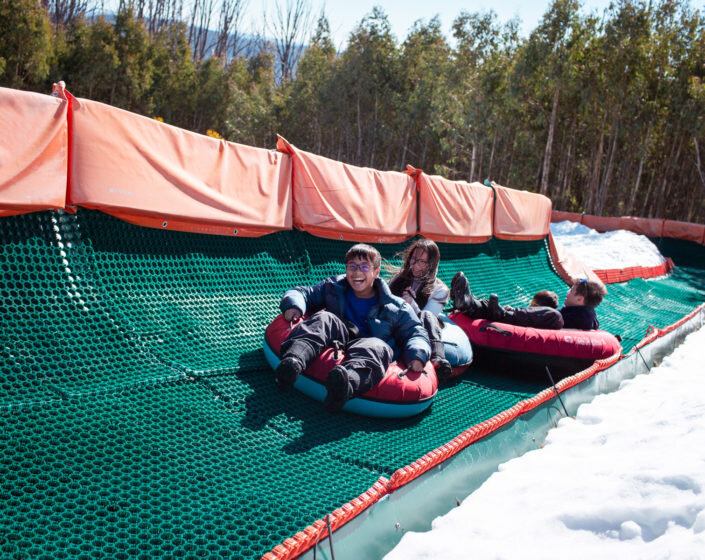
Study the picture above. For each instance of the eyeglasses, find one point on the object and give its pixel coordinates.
(352, 267)
(414, 262)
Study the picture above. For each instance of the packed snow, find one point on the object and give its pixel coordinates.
(625, 478)
(609, 250)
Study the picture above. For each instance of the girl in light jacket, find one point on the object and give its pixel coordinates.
(419, 286)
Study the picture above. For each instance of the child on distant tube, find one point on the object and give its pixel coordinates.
(578, 311)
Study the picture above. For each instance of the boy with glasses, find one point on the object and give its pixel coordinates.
(358, 310)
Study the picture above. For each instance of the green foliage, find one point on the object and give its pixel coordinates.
(25, 44)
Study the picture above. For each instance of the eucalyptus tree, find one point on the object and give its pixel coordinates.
(288, 26)
(25, 44)
(423, 69)
(368, 85)
(89, 62)
(174, 84)
(311, 108)
(249, 115)
(678, 31)
(538, 78)
(470, 122)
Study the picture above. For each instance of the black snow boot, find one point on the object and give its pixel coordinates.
(287, 372)
(339, 389)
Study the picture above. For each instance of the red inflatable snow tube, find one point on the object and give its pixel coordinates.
(398, 387)
(564, 351)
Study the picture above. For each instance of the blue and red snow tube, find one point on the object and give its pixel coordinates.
(400, 394)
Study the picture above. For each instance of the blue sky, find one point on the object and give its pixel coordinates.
(344, 15)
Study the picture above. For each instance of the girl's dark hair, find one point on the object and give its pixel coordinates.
(404, 278)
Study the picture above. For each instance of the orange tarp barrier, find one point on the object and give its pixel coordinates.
(685, 231)
(340, 201)
(651, 227)
(453, 211)
(560, 216)
(157, 175)
(33, 152)
(569, 267)
(602, 223)
(520, 215)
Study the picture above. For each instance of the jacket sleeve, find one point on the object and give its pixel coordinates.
(438, 299)
(307, 299)
(412, 336)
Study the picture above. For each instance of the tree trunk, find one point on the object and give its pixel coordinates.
(660, 199)
(644, 206)
(494, 143)
(594, 182)
(698, 164)
(374, 133)
(473, 162)
(635, 188)
(607, 178)
(359, 132)
(549, 143)
(566, 166)
(402, 162)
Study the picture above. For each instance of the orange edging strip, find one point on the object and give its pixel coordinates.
(616, 275)
(303, 540)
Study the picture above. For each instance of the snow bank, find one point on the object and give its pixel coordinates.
(624, 479)
(610, 250)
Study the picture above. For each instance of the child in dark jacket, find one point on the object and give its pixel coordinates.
(358, 310)
(578, 311)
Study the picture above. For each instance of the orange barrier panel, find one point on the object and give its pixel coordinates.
(685, 231)
(33, 152)
(568, 266)
(560, 216)
(340, 201)
(651, 227)
(602, 223)
(157, 175)
(613, 276)
(453, 211)
(520, 215)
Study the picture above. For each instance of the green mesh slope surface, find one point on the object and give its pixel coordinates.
(683, 253)
(140, 419)
(58, 337)
(194, 302)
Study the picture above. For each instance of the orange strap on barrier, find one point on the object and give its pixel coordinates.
(453, 211)
(33, 152)
(157, 175)
(520, 215)
(340, 201)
